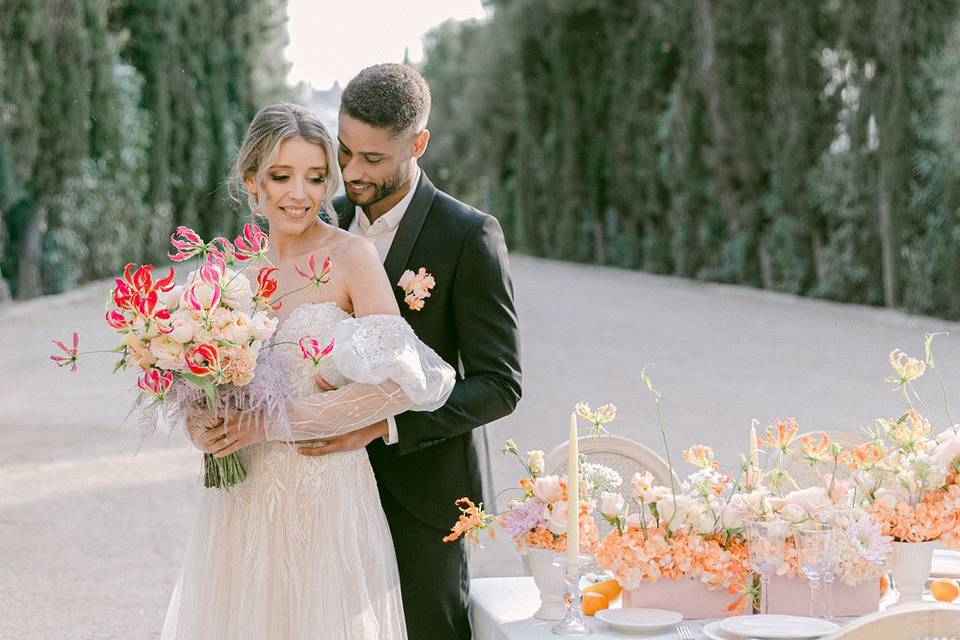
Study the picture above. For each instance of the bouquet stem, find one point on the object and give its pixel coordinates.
(222, 473)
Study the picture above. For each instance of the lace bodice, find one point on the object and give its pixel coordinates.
(378, 364)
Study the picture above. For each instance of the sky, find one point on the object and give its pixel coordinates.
(334, 39)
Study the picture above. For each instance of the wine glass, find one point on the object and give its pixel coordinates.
(766, 542)
(816, 549)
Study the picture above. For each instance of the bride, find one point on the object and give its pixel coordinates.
(300, 549)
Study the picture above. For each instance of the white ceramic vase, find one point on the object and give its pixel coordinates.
(910, 567)
(549, 579)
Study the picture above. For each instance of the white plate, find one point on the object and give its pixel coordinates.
(639, 619)
(774, 626)
(714, 631)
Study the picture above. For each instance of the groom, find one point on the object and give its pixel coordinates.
(425, 461)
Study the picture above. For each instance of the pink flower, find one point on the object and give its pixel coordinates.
(222, 247)
(213, 269)
(317, 277)
(156, 383)
(187, 245)
(312, 351)
(69, 360)
(253, 243)
(194, 297)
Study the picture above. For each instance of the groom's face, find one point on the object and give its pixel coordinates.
(377, 165)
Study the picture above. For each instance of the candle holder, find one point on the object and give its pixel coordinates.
(573, 623)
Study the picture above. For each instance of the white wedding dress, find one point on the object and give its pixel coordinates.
(301, 550)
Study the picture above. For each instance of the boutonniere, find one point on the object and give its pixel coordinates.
(416, 286)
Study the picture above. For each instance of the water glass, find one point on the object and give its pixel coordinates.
(766, 545)
(817, 551)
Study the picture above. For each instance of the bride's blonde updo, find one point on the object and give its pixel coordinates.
(261, 146)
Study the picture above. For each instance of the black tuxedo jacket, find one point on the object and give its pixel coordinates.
(470, 321)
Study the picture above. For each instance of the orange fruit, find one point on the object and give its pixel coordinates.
(944, 590)
(884, 585)
(593, 602)
(609, 588)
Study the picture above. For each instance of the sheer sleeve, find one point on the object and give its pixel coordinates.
(389, 370)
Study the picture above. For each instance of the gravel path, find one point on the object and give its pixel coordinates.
(91, 535)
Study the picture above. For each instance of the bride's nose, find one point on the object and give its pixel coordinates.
(297, 190)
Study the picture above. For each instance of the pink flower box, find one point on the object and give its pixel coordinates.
(791, 596)
(688, 596)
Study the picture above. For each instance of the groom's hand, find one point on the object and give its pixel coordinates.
(347, 442)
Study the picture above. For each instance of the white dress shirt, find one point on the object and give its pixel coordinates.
(381, 234)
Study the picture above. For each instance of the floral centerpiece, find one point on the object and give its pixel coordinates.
(673, 534)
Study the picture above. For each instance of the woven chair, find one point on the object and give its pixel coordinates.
(926, 621)
(800, 470)
(623, 455)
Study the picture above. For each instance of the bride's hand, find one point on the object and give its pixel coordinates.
(234, 434)
(199, 423)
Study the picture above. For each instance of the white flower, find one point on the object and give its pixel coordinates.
(262, 326)
(645, 491)
(535, 462)
(168, 352)
(947, 449)
(185, 326)
(170, 298)
(237, 294)
(547, 488)
(557, 522)
(921, 472)
(597, 478)
(679, 512)
(865, 536)
(238, 329)
(731, 516)
(751, 504)
(806, 503)
(611, 504)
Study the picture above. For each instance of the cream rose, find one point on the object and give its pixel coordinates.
(185, 326)
(547, 488)
(237, 294)
(611, 504)
(262, 326)
(168, 352)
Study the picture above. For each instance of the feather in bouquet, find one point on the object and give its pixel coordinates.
(203, 345)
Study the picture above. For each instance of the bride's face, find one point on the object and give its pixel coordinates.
(294, 186)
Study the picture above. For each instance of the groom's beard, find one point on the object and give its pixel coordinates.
(379, 192)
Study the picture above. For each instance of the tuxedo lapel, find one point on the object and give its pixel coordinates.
(409, 229)
(345, 211)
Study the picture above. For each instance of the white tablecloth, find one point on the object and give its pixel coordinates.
(502, 609)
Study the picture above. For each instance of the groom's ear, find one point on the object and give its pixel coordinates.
(420, 143)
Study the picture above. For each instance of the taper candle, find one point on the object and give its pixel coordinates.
(754, 454)
(573, 493)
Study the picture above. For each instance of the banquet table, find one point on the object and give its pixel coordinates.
(503, 608)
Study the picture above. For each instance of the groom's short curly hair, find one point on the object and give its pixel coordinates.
(389, 96)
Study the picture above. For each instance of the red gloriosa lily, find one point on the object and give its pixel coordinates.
(253, 243)
(203, 359)
(311, 349)
(317, 277)
(187, 245)
(266, 287)
(213, 269)
(72, 354)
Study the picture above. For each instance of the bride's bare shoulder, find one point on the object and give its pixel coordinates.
(353, 249)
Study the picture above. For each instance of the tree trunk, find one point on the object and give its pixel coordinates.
(29, 282)
(886, 239)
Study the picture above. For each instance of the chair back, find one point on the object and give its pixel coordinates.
(623, 455)
(925, 621)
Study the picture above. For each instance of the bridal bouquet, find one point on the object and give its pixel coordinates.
(199, 345)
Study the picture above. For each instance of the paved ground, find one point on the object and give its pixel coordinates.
(91, 536)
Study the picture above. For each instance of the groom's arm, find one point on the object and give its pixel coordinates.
(486, 324)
